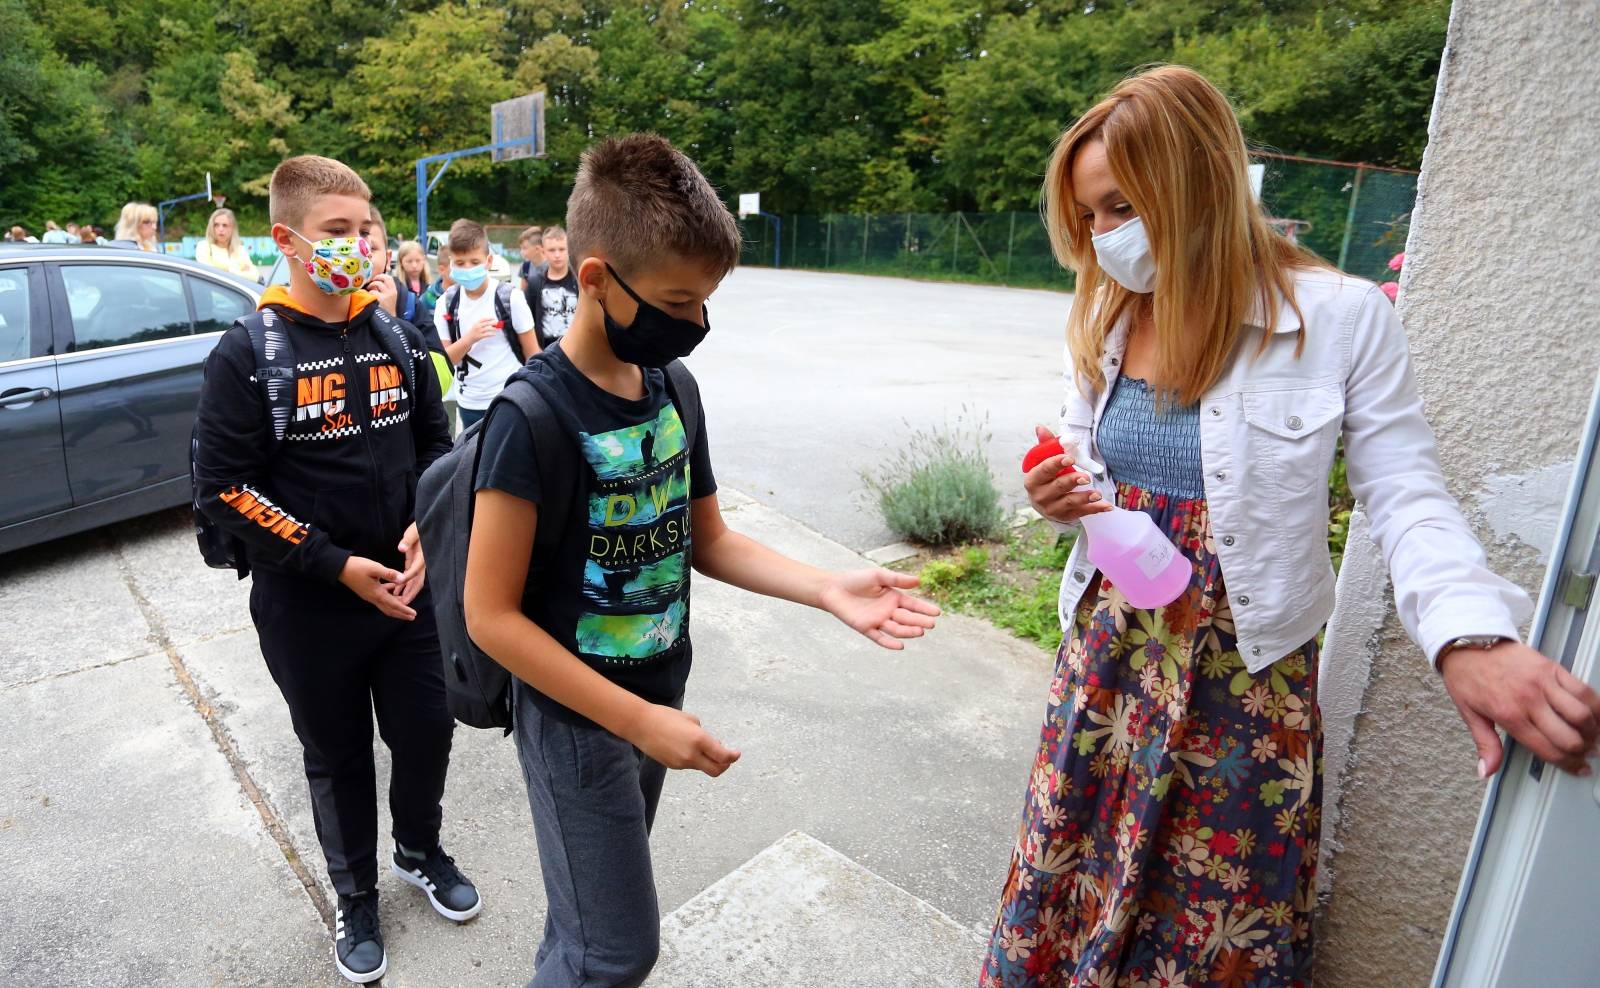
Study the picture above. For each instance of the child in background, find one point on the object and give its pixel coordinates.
(442, 283)
(531, 242)
(553, 291)
(484, 325)
(413, 277)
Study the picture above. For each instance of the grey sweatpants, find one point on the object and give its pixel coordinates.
(593, 797)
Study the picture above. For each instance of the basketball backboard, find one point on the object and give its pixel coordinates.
(749, 203)
(518, 120)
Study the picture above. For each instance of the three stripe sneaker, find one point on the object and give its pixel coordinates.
(451, 894)
(357, 944)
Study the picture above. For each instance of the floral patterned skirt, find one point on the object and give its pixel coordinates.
(1169, 833)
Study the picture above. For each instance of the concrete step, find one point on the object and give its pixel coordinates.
(801, 914)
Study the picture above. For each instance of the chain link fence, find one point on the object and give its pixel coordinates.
(1355, 216)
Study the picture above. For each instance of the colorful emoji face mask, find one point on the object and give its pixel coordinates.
(337, 265)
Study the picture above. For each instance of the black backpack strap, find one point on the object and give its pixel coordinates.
(685, 393)
(274, 374)
(556, 460)
(398, 346)
(452, 306)
(502, 312)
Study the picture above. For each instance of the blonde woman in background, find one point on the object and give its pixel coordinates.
(137, 226)
(221, 247)
(1173, 811)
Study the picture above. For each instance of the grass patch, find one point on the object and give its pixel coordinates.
(1012, 582)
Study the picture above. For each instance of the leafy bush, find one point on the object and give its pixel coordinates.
(938, 490)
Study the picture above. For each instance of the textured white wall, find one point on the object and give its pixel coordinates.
(1501, 298)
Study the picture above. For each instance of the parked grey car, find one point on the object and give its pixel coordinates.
(101, 350)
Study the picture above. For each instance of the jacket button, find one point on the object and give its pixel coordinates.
(1244, 599)
(1222, 475)
(1079, 576)
(1227, 540)
(1215, 410)
(1113, 361)
(1294, 422)
(1256, 650)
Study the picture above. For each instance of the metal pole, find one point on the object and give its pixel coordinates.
(905, 247)
(422, 205)
(955, 244)
(827, 242)
(1010, 236)
(1350, 219)
(794, 239)
(866, 224)
(777, 242)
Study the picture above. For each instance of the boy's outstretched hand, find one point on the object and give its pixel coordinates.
(874, 602)
(676, 740)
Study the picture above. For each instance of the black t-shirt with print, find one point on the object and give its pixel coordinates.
(617, 595)
(554, 301)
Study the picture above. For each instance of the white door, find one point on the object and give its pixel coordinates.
(1528, 913)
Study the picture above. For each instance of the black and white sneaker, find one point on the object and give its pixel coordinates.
(452, 895)
(357, 944)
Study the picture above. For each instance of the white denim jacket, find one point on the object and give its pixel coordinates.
(1268, 429)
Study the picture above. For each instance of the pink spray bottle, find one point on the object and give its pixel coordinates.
(1127, 546)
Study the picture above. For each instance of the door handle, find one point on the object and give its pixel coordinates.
(23, 396)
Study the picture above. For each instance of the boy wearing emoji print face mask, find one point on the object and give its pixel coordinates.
(320, 496)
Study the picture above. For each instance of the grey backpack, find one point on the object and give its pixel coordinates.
(477, 688)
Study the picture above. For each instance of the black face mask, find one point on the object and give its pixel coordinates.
(655, 339)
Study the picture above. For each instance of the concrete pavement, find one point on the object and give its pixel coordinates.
(811, 378)
(155, 819)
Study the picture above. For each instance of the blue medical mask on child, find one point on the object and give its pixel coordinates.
(654, 338)
(469, 278)
(1124, 255)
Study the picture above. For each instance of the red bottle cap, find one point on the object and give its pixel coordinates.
(1040, 453)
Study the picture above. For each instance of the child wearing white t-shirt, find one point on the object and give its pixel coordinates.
(471, 322)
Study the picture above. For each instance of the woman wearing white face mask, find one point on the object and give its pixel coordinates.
(1171, 824)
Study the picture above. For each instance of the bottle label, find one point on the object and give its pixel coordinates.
(1155, 556)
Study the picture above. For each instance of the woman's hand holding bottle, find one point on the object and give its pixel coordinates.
(1053, 485)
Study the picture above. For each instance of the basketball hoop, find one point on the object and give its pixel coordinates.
(219, 199)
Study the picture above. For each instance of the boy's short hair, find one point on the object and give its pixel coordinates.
(637, 197)
(532, 235)
(300, 181)
(377, 219)
(554, 232)
(467, 235)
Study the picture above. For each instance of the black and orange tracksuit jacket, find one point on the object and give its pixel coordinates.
(343, 480)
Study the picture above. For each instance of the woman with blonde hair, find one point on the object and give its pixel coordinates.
(222, 249)
(1171, 822)
(137, 226)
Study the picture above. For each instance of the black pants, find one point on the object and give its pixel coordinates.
(336, 663)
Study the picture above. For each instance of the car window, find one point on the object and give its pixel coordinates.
(116, 304)
(14, 309)
(279, 275)
(216, 307)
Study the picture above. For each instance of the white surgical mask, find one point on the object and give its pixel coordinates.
(1124, 255)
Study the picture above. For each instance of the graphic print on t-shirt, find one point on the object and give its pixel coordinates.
(635, 578)
(559, 304)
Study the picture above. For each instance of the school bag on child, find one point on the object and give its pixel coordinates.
(274, 378)
(502, 312)
(477, 688)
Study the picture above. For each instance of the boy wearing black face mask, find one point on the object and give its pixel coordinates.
(596, 629)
